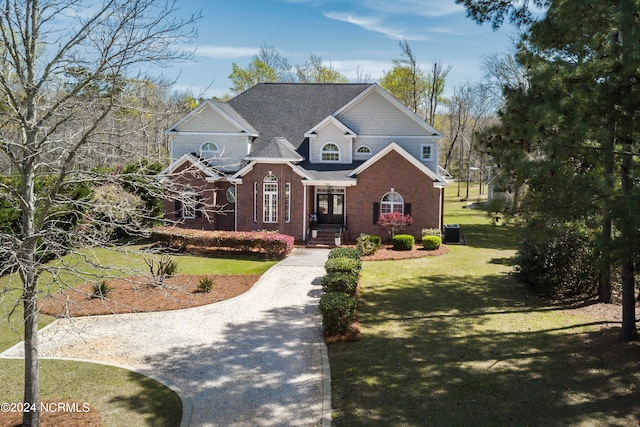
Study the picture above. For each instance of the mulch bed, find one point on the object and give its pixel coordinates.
(136, 295)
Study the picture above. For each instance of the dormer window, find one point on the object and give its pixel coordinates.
(363, 151)
(209, 150)
(330, 152)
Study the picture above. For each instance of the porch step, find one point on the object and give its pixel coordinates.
(325, 238)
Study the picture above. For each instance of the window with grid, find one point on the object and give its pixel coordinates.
(330, 152)
(392, 202)
(270, 202)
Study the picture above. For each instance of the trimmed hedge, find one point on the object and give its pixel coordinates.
(368, 244)
(343, 265)
(338, 312)
(340, 282)
(431, 243)
(273, 245)
(403, 242)
(345, 253)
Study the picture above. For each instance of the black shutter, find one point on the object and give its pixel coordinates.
(376, 212)
(178, 208)
(407, 208)
(198, 207)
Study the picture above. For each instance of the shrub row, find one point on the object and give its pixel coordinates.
(273, 245)
(338, 304)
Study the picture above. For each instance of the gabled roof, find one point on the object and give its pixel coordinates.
(438, 181)
(375, 87)
(289, 110)
(237, 177)
(208, 172)
(221, 108)
(277, 149)
(330, 119)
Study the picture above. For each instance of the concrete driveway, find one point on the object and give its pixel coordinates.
(255, 360)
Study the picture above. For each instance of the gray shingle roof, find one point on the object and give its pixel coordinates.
(288, 110)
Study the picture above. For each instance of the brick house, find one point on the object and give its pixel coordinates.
(279, 155)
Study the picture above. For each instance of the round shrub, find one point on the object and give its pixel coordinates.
(403, 242)
(431, 243)
(338, 312)
(343, 265)
(368, 244)
(340, 282)
(345, 253)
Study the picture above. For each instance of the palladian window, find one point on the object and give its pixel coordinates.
(330, 152)
(270, 202)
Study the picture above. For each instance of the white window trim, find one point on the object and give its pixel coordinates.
(189, 203)
(322, 152)
(209, 153)
(388, 207)
(363, 155)
(422, 157)
(270, 200)
(287, 201)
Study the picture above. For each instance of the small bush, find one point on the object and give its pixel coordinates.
(368, 244)
(431, 243)
(100, 290)
(161, 269)
(340, 282)
(345, 253)
(343, 265)
(403, 242)
(338, 312)
(431, 232)
(205, 285)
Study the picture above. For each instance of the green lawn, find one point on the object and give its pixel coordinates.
(454, 340)
(122, 397)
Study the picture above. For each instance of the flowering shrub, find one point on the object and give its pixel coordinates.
(394, 222)
(273, 245)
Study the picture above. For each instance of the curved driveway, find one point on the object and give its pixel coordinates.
(255, 360)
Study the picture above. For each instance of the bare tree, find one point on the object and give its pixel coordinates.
(64, 75)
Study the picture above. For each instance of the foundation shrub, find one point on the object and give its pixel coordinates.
(368, 244)
(345, 253)
(431, 243)
(403, 242)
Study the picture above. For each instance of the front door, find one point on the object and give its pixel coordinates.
(330, 208)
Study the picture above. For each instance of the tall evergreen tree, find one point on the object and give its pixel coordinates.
(574, 130)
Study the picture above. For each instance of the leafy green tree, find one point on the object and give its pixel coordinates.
(256, 72)
(314, 71)
(406, 81)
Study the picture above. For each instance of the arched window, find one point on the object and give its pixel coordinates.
(330, 152)
(209, 150)
(363, 152)
(392, 202)
(270, 201)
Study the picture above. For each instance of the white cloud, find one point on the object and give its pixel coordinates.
(429, 8)
(374, 24)
(225, 52)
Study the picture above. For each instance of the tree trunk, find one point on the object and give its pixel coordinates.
(31, 416)
(629, 332)
(604, 277)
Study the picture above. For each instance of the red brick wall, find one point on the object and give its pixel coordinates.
(211, 217)
(392, 171)
(245, 200)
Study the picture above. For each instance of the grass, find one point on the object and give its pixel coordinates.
(123, 397)
(454, 340)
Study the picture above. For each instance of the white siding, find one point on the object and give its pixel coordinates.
(330, 133)
(207, 120)
(233, 147)
(412, 145)
(375, 115)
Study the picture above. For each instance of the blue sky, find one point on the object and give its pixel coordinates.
(347, 34)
